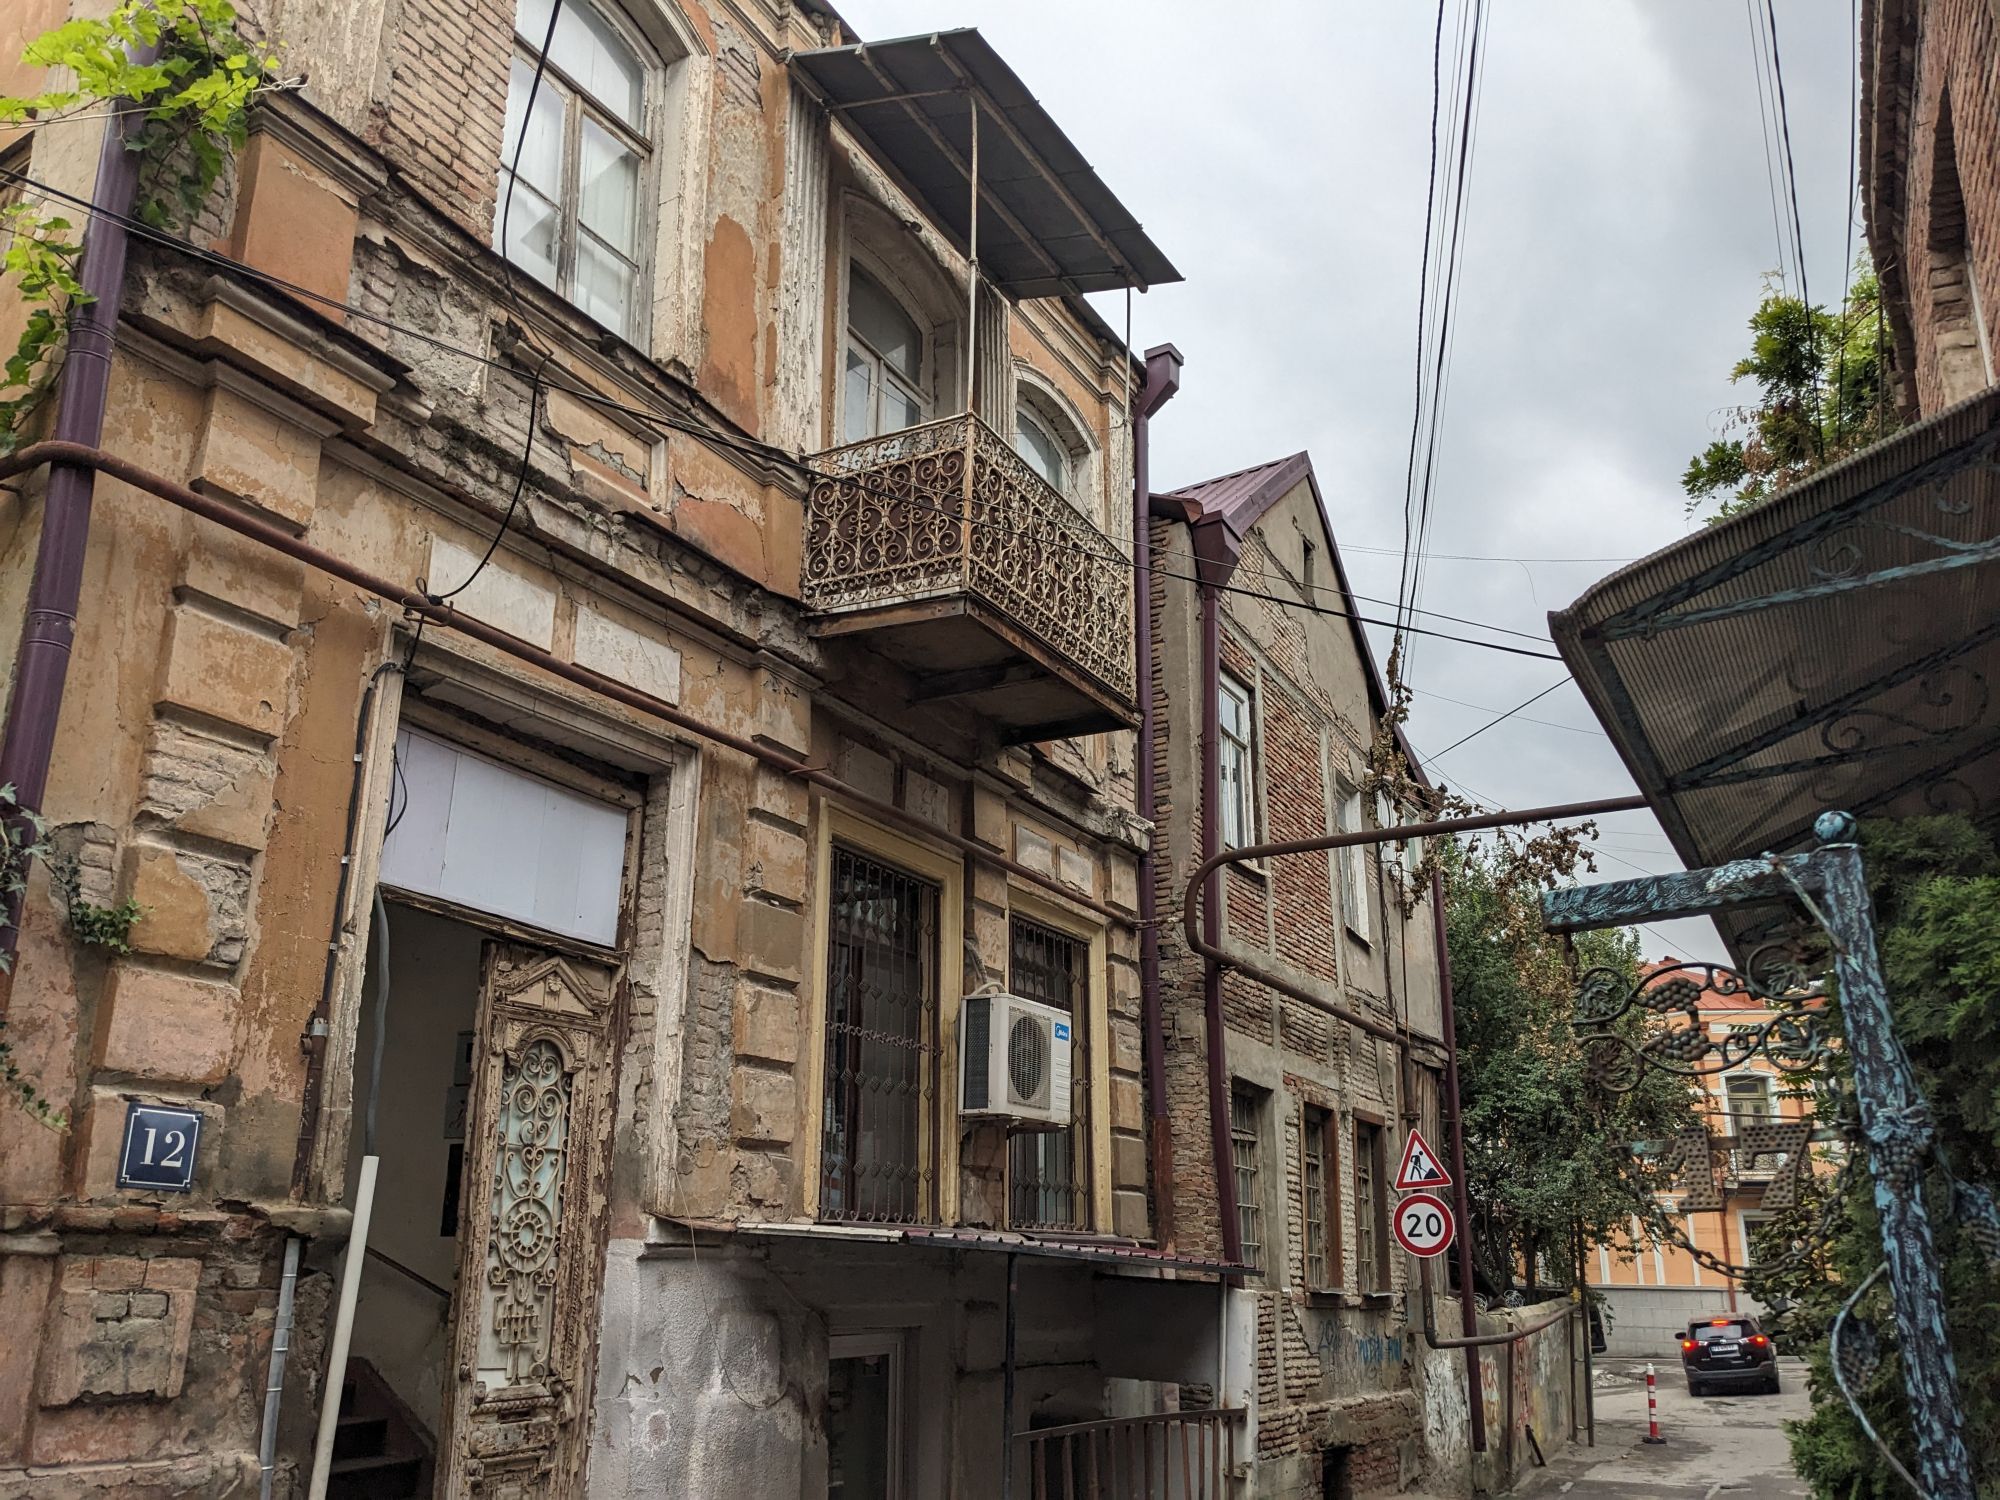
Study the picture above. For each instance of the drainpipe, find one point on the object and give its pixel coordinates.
(1216, 550)
(1163, 379)
(49, 627)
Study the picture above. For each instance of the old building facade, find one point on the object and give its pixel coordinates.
(1318, 1109)
(579, 721)
(1930, 165)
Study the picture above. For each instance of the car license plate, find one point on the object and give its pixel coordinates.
(1725, 1349)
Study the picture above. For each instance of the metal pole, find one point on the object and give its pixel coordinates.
(1897, 1122)
(274, 1380)
(1461, 1193)
(1007, 1384)
(1589, 1343)
(972, 268)
(343, 1329)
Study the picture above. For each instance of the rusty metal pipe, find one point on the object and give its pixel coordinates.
(1163, 365)
(445, 616)
(1482, 1340)
(1193, 916)
(1460, 1189)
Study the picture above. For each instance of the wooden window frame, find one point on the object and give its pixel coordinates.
(642, 140)
(1249, 1205)
(1377, 1210)
(1248, 805)
(1321, 1123)
(1032, 904)
(945, 868)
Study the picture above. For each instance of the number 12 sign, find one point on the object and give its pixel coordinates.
(1424, 1225)
(159, 1148)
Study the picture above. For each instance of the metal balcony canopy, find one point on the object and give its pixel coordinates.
(1835, 647)
(1047, 223)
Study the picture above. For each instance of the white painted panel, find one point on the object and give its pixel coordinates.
(494, 840)
(504, 599)
(487, 836)
(419, 807)
(606, 645)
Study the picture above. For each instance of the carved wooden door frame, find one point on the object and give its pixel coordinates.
(517, 1402)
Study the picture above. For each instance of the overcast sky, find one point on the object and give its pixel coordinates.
(1619, 223)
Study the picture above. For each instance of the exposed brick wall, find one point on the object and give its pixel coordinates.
(1931, 163)
(446, 103)
(1312, 1391)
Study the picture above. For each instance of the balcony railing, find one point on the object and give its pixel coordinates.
(1174, 1455)
(981, 578)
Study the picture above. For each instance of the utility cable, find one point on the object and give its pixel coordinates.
(752, 447)
(1501, 719)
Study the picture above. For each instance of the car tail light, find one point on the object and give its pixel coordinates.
(1758, 1340)
(1687, 1343)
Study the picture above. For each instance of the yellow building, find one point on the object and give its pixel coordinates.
(1652, 1287)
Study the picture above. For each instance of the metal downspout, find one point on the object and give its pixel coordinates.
(48, 629)
(1163, 366)
(1460, 1192)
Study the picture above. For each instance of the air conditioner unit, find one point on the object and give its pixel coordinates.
(1014, 1061)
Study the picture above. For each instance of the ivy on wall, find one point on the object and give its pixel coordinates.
(205, 67)
(195, 95)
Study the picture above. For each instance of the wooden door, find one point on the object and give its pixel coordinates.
(532, 1236)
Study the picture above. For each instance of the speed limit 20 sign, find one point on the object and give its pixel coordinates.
(1424, 1225)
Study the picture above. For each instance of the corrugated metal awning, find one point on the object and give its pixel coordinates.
(1047, 223)
(1835, 647)
(1102, 1249)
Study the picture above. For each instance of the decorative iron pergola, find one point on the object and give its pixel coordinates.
(1824, 655)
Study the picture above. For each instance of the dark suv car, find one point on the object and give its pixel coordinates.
(1730, 1353)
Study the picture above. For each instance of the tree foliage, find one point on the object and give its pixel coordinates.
(194, 95)
(1547, 1148)
(1936, 883)
(1822, 394)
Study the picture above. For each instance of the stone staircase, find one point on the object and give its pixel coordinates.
(379, 1452)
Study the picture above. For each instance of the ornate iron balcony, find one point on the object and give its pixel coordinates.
(966, 567)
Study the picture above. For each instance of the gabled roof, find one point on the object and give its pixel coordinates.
(1236, 502)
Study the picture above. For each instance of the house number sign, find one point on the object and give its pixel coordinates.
(159, 1151)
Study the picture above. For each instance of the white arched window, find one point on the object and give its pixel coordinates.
(1035, 441)
(574, 222)
(1049, 436)
(885, 377)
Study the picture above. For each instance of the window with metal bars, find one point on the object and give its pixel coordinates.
(1371, 1211)
(1247, 1150)
(1316, 1161)
(1048, 1172)
(879, 1127)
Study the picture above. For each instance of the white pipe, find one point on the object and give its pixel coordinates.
(274, 1382)
(343, 1328)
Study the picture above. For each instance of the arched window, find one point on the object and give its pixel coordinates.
(574, 222)
(886, 380)
(1050, 438)
(1046, 454)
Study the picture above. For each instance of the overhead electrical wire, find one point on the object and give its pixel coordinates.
(750, 446)
(1766, 137)
(1501, 718)
(1447, 195)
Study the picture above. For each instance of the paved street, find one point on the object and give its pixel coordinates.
(1716, 1446)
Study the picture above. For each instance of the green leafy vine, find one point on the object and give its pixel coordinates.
(195, 94)
(21, 834)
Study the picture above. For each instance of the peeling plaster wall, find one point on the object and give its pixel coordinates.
(205, 754)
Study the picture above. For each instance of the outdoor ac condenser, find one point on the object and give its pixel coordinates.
(1013, 1061)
